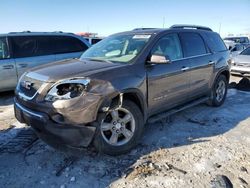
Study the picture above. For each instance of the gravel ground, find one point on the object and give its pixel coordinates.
(199, 147)
(6, 111)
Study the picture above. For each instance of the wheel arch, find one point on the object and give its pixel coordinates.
(133, 95)
(226, 73)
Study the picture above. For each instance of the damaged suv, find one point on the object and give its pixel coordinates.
(118, 85)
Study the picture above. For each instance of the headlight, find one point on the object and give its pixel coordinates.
(67, 89)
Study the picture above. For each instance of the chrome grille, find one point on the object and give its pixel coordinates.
(243, 64)
(29, 85)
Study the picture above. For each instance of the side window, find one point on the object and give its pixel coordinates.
(192, 44)
(24, 46)
(4, 50)
(168, 45)
(45, 45)
(215, 42)
(65, 44)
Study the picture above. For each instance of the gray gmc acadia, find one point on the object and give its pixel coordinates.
(130, 78)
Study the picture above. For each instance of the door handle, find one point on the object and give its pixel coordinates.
(211, 63)
(185, 68)
(8, 66)
(22, 65)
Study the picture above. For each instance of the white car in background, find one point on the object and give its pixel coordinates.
(241, 63)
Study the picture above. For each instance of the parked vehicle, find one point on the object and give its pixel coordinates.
(239, 40)
(122, 82)
(24, 50)
(241, 63)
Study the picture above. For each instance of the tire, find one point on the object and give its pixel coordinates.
(219, 92)
(119, 130)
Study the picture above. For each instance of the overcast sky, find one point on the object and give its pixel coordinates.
(110, 16)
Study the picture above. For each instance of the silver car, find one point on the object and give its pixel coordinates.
(241, 63)
(24, 50)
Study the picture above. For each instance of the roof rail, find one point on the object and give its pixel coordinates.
(190, 27)
(19, 32)
(38, 32)
(138, 29)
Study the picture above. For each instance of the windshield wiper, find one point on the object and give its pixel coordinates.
(100, 60)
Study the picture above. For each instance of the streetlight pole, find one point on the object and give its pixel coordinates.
(219, 27)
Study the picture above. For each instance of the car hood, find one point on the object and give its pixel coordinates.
(71, 68)
(242, 59)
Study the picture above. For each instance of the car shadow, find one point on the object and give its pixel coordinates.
(6, 98)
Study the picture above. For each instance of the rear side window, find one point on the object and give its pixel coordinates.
(4, 50)
(24, 46)
(215, 43)
(192, 44)
(45, 45)
(65, 44)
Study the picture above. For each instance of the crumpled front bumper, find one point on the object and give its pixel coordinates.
(54, 134)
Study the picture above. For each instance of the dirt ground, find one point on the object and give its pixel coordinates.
(199, 147)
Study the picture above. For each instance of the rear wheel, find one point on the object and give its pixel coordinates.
(120, 129)
(219, 91)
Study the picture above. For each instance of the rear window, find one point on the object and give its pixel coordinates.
(65, 44)
(192, 44)
(215, 42)
(238, 39)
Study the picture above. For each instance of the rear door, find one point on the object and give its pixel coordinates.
(31, 51)
(8, 75)
(67, 47)
(168, 84)
(201, 63)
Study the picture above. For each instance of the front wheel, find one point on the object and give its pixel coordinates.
(119, 129)
(219, 91)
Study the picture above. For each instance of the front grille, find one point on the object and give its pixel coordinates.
(243, 64)
(29, 86)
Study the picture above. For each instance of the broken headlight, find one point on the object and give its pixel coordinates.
(67, 89)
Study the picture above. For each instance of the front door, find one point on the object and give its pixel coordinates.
(168, 84)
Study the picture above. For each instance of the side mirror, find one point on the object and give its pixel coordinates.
(159, 59)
